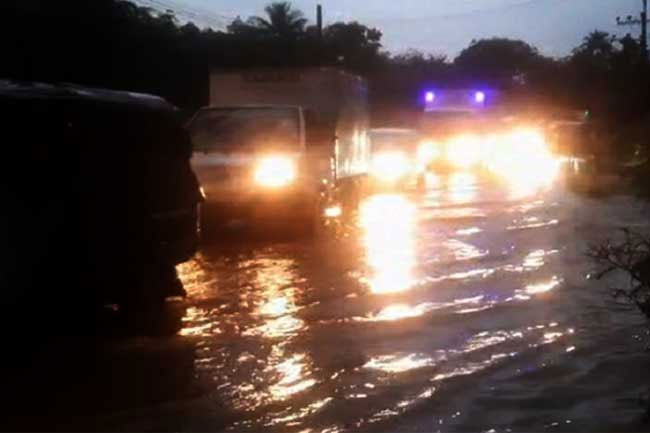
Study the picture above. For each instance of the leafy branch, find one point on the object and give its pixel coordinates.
(630, 255)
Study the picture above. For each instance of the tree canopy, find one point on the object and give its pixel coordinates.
(117, 44)
(497, 60)
(282, 21)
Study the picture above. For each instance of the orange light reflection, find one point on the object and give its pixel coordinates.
(388, 223)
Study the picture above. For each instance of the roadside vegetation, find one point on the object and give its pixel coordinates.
(629, 254)
(117, 44)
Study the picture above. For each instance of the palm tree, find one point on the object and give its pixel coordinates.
(283, 21)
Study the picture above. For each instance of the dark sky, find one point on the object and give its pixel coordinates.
(446, 26)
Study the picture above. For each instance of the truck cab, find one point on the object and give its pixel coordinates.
(453, 123)
(398, 161)
(255, 158)
(280, 144)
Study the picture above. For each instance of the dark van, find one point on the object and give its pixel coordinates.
(101, 201)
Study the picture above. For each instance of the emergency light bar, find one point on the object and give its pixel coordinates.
(455, 99)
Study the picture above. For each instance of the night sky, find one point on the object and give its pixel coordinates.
(445, 26)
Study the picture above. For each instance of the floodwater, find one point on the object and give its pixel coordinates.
(465, 308)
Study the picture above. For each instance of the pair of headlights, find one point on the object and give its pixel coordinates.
(390, 166)
(393, 165)
(468, 150)
(275, 171)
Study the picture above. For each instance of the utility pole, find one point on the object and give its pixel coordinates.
(319, 21)
(319, 33)
(643, 21)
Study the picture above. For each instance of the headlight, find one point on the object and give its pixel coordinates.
(390, 166)
(524, 158)
(428, 151)
(465, 151)
(275, 171)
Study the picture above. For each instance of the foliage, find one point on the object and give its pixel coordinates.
(497, 60)
(283, 21)
(630, 255)
(116, 44)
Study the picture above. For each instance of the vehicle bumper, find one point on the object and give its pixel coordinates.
(405, 181)
(281, 202)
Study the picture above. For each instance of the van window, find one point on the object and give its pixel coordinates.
(246, 129)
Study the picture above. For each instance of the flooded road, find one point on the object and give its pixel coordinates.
(466, 308)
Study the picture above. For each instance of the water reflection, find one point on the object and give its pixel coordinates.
(463, 187)
(276, 305)
(388, 223)
(534, 260)
(263, 308)
(287, 363)
(399, 364)
(197, 280)
(275, 280)
(464, 251)
(547, 286)
(198, 323)
(292, 417)
(531, 223)
(293, 372)
(402, 311)
(468, 231)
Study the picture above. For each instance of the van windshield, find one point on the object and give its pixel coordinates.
(385, 140)
(246, 129)
(452, 120)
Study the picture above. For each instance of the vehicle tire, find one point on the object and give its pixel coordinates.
(150, 287)
(307, 220)
(207, 224)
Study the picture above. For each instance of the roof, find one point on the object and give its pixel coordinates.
(393, 131)
(247, 106)
(456, 110)
(73, 92)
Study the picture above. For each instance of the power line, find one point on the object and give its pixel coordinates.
(200, 17)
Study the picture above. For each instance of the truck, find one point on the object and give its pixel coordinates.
(452, 122)
(286, 144)
(396, 159)
(495, 133)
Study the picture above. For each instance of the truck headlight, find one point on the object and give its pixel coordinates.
(275, 171)
(390, 166)
(428, 151)
(465, 151)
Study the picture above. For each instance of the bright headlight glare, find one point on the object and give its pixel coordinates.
(465, 151)
(390, 166)
(275, 171)
(524, 158)
(428, 151)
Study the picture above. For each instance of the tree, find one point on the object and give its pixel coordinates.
(497, 61)
(246, 29)
(597, 44)
(352, 45)
(283, 21)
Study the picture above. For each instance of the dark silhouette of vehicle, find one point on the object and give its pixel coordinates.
(99, 195)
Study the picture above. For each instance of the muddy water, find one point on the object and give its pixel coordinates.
(467, 308)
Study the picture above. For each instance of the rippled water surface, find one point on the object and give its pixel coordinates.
(466, 308)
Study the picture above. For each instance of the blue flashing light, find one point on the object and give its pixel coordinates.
(429, 96)
(479, 97)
